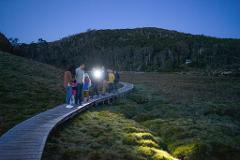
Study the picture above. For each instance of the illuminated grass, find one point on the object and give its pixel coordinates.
(148, 143)
(184, 150)
(154, 153)
(101, 135)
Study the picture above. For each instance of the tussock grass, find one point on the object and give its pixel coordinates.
(166, 116)
(102, 135)
(196, 116)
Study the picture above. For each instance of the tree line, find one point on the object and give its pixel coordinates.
(141, 49)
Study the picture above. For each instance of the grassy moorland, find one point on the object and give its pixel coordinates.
(102, 134)
(167, 115)
(195, 115)
(26, 88)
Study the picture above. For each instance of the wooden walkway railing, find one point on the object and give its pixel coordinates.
(26, 140)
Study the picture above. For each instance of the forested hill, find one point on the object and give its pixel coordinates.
(141, 49)
(5, 45)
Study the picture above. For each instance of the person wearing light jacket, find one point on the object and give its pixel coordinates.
(79, 72)
(110, 81)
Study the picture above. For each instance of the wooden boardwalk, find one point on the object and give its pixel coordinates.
(26, 140)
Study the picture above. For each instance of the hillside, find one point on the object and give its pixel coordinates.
(26, 88)
(5, 45)
(141, 49)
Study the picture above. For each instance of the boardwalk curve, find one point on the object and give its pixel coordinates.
(27, 139)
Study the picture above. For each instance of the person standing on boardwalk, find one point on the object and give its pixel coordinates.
(67, 85)
(79, 77)
(110, 80)
(86, 86)
(116, 80)
(96, 79)
(104, 80)
(74, 90)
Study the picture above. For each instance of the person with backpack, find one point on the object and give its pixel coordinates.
(110, 81)
(96, 77)
(86, 86)
(116, 80)
(79, 72)
(104, 80)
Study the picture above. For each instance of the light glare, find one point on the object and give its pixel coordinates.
(97, 73)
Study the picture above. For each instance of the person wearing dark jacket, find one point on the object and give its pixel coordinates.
(97, 77)
(116, 80)
(104, 80)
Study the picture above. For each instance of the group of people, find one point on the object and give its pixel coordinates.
(81, 85)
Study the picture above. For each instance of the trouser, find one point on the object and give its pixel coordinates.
(115, 86)
(95, 89)
(110, 87)
(68, 94)
(86, 95)
(78, 99)
(73, 99)
(104, 85)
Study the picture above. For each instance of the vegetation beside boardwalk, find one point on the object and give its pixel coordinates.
(182, 114)
(195, 115)
(26, 88)
(104, 135)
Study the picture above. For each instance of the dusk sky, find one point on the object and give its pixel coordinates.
(29, 20)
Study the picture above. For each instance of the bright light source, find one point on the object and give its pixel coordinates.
(97, 73)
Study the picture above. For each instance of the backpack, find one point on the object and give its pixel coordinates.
(86, 80)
